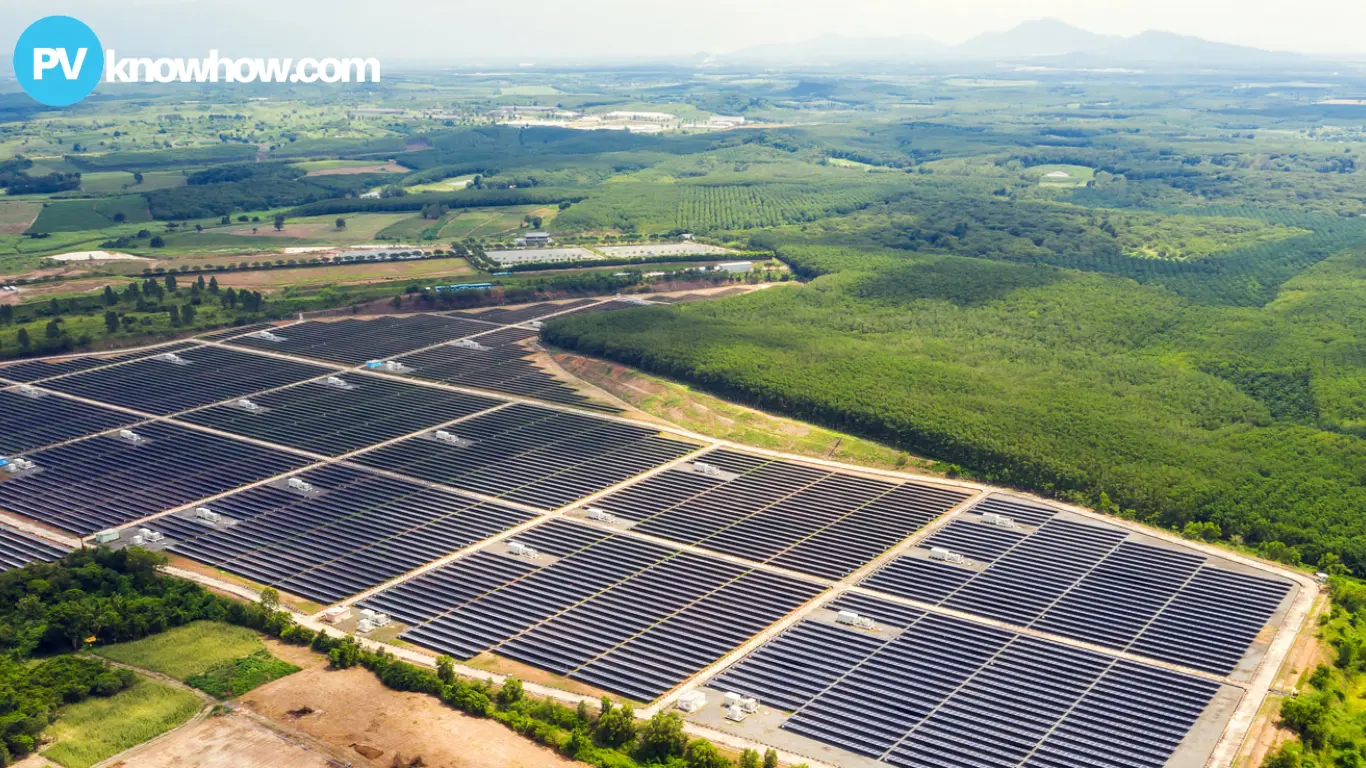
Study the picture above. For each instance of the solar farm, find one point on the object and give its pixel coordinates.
(433, 473)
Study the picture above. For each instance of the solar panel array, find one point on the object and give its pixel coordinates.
(28, 422)
(356, 530)
(332, 419)
(205, 375)
(35, 370)
(1089, 582)
(620, 613)
(807, 519)
(19, 549)
(106, 480)
(504, 366)
(355, 341)
(514, 315)
(532, 455)
(949, 692)
(237, 330)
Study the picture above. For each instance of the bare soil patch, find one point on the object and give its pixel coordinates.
(350, 707)
(377, 168)
(348, 273)
(230, 741)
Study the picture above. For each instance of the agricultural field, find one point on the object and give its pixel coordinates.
(116, 182)
(96, 729)
(186, 651)
(346, 274)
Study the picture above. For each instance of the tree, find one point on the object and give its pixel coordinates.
(702, 754)
(225, 220)
(662, 738)
(174, 313)
(109, 298)
(510, 693)
(445, 669)
(341, 223)
(187, 314)
(199, 227)
(137, 177)
(269, 600)
(111, 321)
(171, 285)
(22, 337)
(617, 725)
(54, 328)
(279, 222)
(213, 285)
(771, 758)
(157, 242)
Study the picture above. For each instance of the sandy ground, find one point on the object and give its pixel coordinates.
(1266, 735)
(31, 292)
(226, 741)
(352, 710)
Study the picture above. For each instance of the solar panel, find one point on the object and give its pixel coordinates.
(30, 371)
(28, 422)
(353, 531)
(620, 613)
(811, 520)
(192, 378)
(946, 693)
(532, 455)
(18, 549)
(356, 341)
(1091, 583)
(499, 363)
(341, 416)
(107, 480)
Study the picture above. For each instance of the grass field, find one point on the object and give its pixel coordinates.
(490, 222)
(99, 728)
(186, 651)
(360, 228)
(79, 215)
(111, 182)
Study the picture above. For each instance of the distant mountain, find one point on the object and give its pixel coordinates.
(1045, 37)
(1045, 42)
(833, 49)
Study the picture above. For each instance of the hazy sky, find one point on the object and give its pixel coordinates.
(544, 29)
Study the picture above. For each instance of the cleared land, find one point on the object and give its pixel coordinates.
(15, 217)
(351, 707)
(228, 741)
(347, 273)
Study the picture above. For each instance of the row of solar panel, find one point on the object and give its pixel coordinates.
(948, 692)
(353, 342)
(811, 520)
(18, 549)
(107, 480)
(532, 455)
(353, 531)
(1088, 582)
(29, 371)
(499, 363)
(623, 614)
(340, 414)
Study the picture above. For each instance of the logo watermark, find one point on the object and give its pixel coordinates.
(59, 61)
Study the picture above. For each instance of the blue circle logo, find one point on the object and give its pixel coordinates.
(58, 61)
